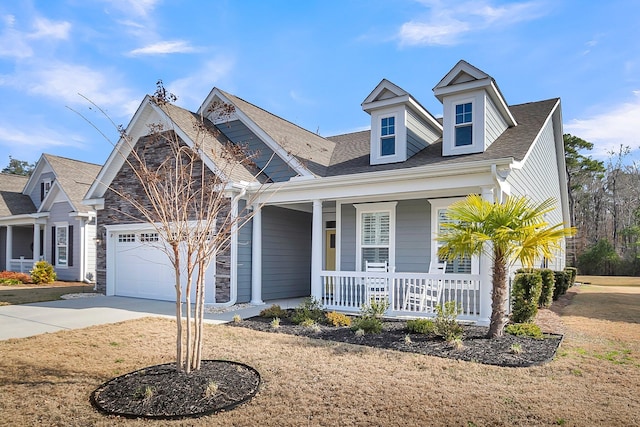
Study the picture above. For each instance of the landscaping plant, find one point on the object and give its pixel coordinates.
(43, 273)
(525, 296)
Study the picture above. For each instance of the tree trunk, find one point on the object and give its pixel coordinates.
(499, 296)
(176, 258)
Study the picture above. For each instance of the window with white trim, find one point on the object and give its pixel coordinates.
(375, 233)
(149, 237)
(62, 245)
(126, 237)
(388, 136)
(458, 265)
(463, 135)
(47, 187)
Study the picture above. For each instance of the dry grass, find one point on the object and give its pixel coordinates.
(24, 294)
(609, 280)
(595, 380)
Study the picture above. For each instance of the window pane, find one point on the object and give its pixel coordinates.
(375, 228)
(374, 255)
(387, 126)
(61, 235)
(62, 255)
(463, 113)
(388, 146)
(458, 265)
(463, 135)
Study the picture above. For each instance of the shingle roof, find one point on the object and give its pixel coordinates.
(212, 139)
(312, 150)
(75, 178)
(12, 201)
(352, 150)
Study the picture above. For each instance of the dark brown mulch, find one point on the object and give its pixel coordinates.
(476, 347)
(162, 392)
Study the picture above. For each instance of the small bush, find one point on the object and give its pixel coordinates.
(338, 319)
(274, 311)
(421, 326)
(13, 278)
(572, 272)
(562, 284)
(275, 323)
(548, 284)
(310, 308)
(375, 308)
(237, 318)
(43, 273)
(516, 348)
(524, 330)
(445, 323)
(525, 295)
(369, 325)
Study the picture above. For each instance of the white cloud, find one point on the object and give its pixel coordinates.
(18, 44)
(445, 24)
(192, 89)
(64, 81)
(608, 130)
(136, 8)
(45, 28)
(164, 47)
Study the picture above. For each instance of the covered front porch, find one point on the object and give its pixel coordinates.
(21, 243)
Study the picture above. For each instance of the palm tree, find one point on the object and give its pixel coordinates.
(508, 232)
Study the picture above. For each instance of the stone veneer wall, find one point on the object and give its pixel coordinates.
(118, 210)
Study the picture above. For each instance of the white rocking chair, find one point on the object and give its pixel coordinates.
(377, 288)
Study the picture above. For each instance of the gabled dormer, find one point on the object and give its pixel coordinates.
(475, 113)
(400, 126)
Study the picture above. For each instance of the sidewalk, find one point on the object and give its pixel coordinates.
(25, 320)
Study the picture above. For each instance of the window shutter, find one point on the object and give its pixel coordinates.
(41, 191)
(53, 245)
(70, 247)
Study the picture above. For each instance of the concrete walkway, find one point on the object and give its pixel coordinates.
(25, 320)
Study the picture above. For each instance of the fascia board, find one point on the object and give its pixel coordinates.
(375, 105)
(461, 66)
(117, 157)
(440, 92)
(384, 84)
(35, 175)
(97, 204)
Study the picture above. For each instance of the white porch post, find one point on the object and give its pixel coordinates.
(256, 257)
(9, 246)
(36, 242)
(486, 282)
(316, 250)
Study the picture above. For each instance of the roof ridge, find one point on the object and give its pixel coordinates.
(69, 158)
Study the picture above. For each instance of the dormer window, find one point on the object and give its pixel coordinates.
(464, 125)
(45, 187)
(388, 136)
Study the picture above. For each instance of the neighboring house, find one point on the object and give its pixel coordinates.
(352, 216)
(42, 218)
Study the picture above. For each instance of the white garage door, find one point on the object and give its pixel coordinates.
(142, 268)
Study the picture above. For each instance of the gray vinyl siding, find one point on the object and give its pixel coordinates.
(273, 165)
(60, 213)
(494, 123)
(348, 238)
(539, 179)
(419, 134)
(413, 236)
(244, 260)
(90, 248)
(286, 253)
(35, 193)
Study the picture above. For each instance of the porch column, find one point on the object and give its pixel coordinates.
(256, 257)
(36, 242)
(316, 250)
(486, 277)
(9, 246)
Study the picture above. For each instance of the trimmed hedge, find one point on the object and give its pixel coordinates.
(562, 279)
(548, 285)
(525, 295)
(573, 272)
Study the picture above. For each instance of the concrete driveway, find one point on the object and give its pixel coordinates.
(25, 320)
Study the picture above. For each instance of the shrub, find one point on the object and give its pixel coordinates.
(572, 272)
(310, 308)
(369, 325)
(525, 296)
(375, 308)
(275, 323)
(445, 323)
(548, 284)
(562, 284)
(14, 277)
(274, 311)
(421, 326)
(43, 273)
(524, 330)
(338, 319)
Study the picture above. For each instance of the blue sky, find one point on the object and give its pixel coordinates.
(310, 62)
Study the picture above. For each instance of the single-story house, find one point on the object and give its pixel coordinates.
(42, 218)
(352, 216)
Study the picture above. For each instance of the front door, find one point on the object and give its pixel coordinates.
(330, 250)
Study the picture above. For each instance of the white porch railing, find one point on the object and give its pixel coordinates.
(408, 294)
(22, 265)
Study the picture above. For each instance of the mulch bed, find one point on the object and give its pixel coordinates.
(476, 347)
(162, 392)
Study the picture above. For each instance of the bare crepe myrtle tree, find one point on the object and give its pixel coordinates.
(188, 204)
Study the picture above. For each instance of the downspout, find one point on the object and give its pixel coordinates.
(233, 283)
